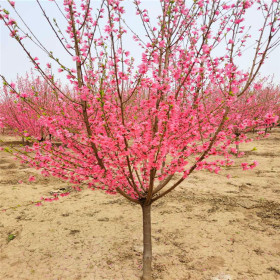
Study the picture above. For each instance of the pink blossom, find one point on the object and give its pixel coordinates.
(143, 68)
(76, 58)
(31, 179)
(257, 86)
(244, 166)
(206, 48)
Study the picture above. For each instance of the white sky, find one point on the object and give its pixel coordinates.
(13, 60)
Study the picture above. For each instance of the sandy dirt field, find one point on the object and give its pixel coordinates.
(209, 228)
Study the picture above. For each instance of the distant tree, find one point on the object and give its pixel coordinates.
(256, 110)
(22, 107)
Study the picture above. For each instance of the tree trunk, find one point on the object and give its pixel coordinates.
(237, 148)
(147, 243)
(237, 145)
(265, 131)
(162, 166)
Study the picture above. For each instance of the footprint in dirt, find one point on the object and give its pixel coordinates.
(9, 166)
(222, 277)
(3, 161)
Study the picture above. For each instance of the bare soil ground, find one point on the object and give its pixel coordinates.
(211, 227)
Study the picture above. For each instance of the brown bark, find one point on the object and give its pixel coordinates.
(237, 145)
(237, 148)
(147, 243)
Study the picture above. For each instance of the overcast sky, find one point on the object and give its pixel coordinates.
(13, 60)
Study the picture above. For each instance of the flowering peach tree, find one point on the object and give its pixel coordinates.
(255, 111)
(21, 109)
(129, 124)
